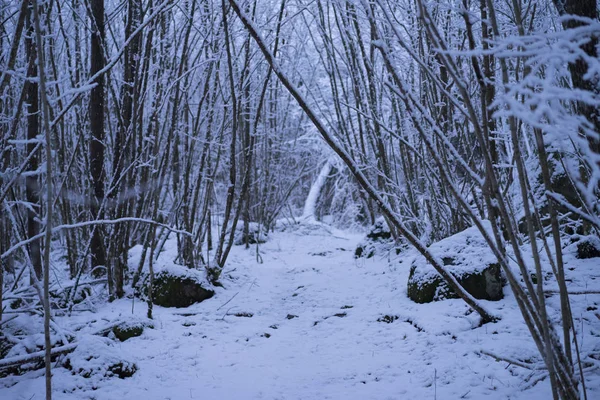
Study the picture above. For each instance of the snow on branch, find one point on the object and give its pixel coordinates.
(90, 223)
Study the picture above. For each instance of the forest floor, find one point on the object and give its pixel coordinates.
(311, 322)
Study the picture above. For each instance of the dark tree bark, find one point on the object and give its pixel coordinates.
(32, 187)
(49, 195)
(124, 148)
(96, 146)
(6, 150)
(578, 69)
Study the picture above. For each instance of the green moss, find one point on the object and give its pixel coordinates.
(484, 285)
(126, 331)
(422, 291)
(177, 291)
(587, 249)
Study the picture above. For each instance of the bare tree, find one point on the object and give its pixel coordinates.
(49, 197)
(96, 144)
(32, 187)
(579, 68)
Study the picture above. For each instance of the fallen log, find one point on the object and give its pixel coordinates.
(17, 361)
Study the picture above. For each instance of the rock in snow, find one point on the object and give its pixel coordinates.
(131, 328)
(177, 286)
(588, 247)
(468, 258)
(178, 291)
(378, 241)
(98, 358)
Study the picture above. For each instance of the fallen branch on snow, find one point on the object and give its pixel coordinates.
(522, 364)
(37, 356)
(574, 292)
(17, 361)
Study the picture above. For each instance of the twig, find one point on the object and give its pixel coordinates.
(89, 223)
(227, 312)
(7, 320)
(92, 282)
(228, 301)
(530, 366)
(575, 292)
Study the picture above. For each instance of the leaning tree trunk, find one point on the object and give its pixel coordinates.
(310, 204)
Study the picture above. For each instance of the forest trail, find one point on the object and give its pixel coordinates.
(139, 126)
(309, 322)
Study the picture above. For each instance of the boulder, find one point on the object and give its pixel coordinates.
(129, 329)
(588, 247)
(378, 240)
(468, 258)
(98, 358)
(175, 285)
(173, 290)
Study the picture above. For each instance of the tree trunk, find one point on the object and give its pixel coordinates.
(122, 176)
(32, 187)
(49, 201)
(96, 146)
(578, 69)
(310, 205)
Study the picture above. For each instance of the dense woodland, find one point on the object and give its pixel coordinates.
(132, 122)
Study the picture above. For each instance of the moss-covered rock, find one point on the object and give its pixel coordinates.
(485, 285)
(589, 247)
(173, 290)
(468, 258)
(97, 358)
(128, 330)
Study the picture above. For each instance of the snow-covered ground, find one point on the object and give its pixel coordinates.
(314, 323)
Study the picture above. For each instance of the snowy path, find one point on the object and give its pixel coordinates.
(313, 334)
